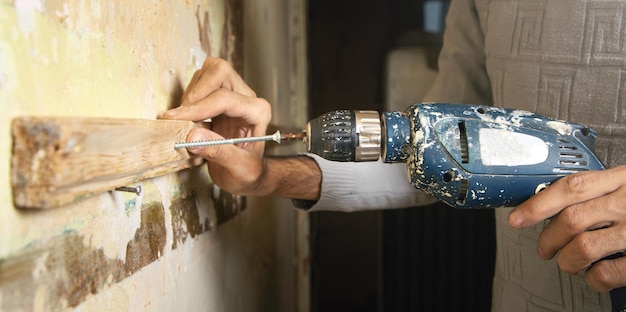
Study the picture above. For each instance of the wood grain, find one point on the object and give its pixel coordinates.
(59, 160)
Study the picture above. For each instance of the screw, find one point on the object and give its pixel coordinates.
(274, 137)
(129, 189)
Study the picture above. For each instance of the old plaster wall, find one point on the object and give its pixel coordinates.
(179, 245)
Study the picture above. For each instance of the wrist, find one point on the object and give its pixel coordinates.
(296, 177)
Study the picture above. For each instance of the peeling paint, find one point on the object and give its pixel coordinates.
(86, 270)
(204, 31)
(66, 270)
(227, 205)
(186, 220)
(149, 241)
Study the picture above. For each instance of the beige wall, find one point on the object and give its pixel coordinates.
(167, 249)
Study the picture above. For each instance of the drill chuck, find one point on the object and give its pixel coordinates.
(345, 135)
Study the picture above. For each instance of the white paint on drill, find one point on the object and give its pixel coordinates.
(560, 127)
(513, 118)
(499, 147)
(541, 187)
(478, 192)
(522, 113)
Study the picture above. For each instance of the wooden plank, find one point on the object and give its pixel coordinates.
(59, 160)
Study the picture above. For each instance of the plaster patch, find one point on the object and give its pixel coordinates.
(120, 219)
(197, 56)
(95, 7)
(41, 297)
(26, 10)
(7, 68)
(164, 185)
(39, 265)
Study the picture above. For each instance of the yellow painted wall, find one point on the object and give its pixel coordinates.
(165, 249)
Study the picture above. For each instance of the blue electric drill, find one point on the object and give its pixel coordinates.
(464, 155)
(467, 156)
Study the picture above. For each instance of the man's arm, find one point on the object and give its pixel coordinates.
(462, 75)
(216, 91)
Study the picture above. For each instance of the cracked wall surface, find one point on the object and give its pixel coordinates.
(180, 244)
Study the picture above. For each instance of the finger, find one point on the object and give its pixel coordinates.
(589, 247)
(190, 85)
(254, 111)
(574, 220)
(215, 74)
(607, 274)
(231, 80)
(567, 191)
(242, 179)
(233, 162)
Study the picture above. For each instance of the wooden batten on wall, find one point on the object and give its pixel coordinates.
(59, 160)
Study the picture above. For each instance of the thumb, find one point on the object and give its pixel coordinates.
(226, 155)
(233, 168)
(208, 152)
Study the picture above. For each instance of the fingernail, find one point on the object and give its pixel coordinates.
(195, 136)
(516, 219)
(171, 113)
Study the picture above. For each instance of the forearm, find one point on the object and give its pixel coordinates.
(347, 186)
(297, 177)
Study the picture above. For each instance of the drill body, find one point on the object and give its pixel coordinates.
(464, 155)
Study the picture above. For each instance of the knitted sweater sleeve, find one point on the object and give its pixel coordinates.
(359, 186)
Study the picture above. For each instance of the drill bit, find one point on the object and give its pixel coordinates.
(276, 137)
(293, 136)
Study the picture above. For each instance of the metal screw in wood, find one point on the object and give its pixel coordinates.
(274, 137)
(130, 189)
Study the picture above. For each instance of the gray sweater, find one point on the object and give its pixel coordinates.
(561, 58)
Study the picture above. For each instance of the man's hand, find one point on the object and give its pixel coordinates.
(216, 91)
(588, 223)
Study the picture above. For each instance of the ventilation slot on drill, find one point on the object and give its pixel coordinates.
(464, 144)
(570, 158)
(463, 190)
